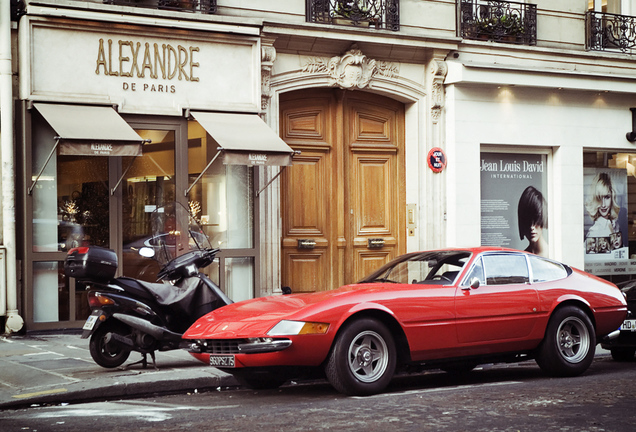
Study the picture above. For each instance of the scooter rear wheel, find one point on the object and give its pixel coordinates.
(108, 354)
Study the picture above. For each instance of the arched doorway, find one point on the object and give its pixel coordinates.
(343, 201)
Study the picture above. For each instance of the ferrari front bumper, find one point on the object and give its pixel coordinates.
(240, 346)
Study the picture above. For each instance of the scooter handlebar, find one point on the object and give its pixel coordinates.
(188, 264)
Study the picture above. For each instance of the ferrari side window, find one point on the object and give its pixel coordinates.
(544, 270)
(476, 272)
(418, 270)
(503, 269)
(400, 272)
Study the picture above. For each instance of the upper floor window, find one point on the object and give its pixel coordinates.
(201, 6)
(498, 21)
(610, 25)
(624, 7)
(379, 14)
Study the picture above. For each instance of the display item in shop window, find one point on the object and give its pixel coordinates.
(602, 206)
(532, 217)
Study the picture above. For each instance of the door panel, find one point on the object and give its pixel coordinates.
(306, 270)
(368, 261)
(306, 191)
(345, 192)
(305, 220)
(307, 198)
(374, 182)
(373, 197)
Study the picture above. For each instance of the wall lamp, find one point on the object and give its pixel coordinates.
(631, 136)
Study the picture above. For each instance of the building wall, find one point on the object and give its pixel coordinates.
(518, 118)
(430, 18)
(555, 97)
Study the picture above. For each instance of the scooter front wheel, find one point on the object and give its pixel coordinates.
(105, 351)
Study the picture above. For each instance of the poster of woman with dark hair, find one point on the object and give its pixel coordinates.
(532, 215)
(514, 210)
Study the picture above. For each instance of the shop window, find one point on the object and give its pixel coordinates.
(149, 183)
(70, 209)
(52, 294)
(609, 237)
(222, 200)
(239, 275)
(70, 198)
(514, 204)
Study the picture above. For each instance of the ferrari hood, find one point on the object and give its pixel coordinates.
(252, 318)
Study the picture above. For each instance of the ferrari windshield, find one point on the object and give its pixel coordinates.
(437, 267)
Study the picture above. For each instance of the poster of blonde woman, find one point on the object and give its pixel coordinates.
(605, 223)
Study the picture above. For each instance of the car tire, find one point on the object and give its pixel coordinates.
(569, 344)
(108, 354)
(363, 358)
(623, 354)
(260, 380)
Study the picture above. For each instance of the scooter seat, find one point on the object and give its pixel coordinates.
(135, 288)
(164, 294)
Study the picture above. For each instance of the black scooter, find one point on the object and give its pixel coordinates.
(134, 315)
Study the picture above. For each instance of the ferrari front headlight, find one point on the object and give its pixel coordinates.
(290, 328)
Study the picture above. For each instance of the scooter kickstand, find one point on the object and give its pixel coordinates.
(154, 362)
(143, 362)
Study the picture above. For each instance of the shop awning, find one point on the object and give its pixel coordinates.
(245, 139)
(91, 130)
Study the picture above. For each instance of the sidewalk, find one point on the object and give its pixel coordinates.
(58, 368)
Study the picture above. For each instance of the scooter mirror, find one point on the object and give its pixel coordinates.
(147, 252)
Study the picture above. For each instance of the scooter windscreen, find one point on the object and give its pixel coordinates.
(175, 231)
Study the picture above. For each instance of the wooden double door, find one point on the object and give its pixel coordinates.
(343, 201)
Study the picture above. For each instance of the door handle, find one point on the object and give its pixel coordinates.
(306, 243)
(375, 243)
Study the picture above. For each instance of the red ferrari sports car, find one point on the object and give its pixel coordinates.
(449, 309)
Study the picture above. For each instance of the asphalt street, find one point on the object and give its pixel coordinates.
(511, 398)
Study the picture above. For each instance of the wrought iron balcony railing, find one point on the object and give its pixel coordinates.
(499, 21)
(610, 32)
(200, 6)
(379, 14)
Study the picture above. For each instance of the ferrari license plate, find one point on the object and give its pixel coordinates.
(224, 361)
(629, 325)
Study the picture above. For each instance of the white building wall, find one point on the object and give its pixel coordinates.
(563, 123)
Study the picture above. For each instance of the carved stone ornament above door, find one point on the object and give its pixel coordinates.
(353, 70)
(268, 56)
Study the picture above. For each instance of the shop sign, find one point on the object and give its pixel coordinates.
(611, 267)
(70, 148)
(142, 72)
(255, 159)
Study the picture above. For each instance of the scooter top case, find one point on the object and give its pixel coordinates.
(91, 263)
